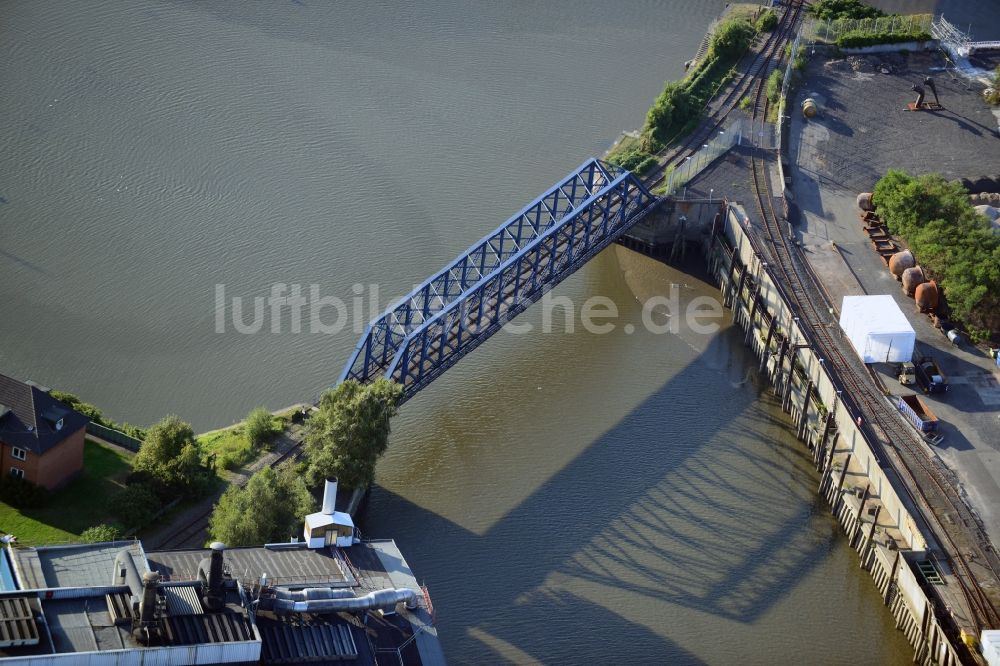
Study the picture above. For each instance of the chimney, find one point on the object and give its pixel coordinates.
(330, 496)
(210, 572)
(147, 608)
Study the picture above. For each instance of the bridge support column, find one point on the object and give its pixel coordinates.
(755, 299)
(767, 343)
(777, 377)
(838, 498)
(726, 299)
(804, 416)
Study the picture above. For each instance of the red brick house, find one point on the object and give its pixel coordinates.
(41, 439)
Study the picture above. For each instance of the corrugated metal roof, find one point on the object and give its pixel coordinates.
(183, 600)
(285, 643)
(283, 565)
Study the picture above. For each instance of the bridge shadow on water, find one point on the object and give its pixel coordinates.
(726, 522)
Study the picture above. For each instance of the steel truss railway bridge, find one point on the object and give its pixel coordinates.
(461, 306)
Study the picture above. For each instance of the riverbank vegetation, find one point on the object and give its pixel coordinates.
(678, 108)
(344, 438)
(95, 414)
(953, 243)
(232, 448)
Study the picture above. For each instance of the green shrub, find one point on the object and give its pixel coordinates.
(731, 38)
(22, 494)
(774, 85)
(993, 96)
(259, 427)
(635, 159)
(954, 244)
(853, 39)
(135, 505)
(836, 9)
(767, 20)
(101, 533)
(95, 415)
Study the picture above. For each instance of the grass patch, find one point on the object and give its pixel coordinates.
(81, 504)
(231, 447)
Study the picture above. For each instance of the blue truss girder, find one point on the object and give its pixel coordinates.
(551, 238)
(383, 336)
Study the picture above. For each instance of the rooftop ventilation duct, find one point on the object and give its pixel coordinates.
(125, 573)
(385, 600)
(146, 631)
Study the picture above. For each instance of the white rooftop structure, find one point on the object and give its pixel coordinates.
(329, 527)
(877, 328)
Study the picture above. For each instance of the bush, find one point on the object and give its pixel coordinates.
(135, 505)
(774, 85)
(634, 159)
(954, 244)
(95, 415)
(853, 39)
(731, 38)
(259, 427)
(767, 20)
(101, 533)
(22, 494)
(993, 93)
(837, 9)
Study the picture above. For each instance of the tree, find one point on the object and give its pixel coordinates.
(169, 455)
(101, 533)
(259, 427)
(270, 507)
(345, 438)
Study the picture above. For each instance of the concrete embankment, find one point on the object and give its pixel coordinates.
(863, 492)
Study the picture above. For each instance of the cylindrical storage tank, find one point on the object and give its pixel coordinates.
(809, 108)
(912, 278)
(865, 201)
(900, 261)
(926, 296)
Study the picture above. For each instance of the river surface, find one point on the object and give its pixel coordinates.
(568, 497)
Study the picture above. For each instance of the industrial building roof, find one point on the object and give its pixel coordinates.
(77, 565)
(284, 564)
(71, 605)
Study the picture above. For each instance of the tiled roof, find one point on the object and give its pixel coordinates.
(29, 415)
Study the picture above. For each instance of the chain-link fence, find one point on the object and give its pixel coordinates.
(826, 31)
(695, 164)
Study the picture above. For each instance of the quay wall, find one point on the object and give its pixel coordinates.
(863, 492)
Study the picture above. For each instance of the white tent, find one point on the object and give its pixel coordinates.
(877, 329)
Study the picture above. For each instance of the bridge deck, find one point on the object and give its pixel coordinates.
(457, 309)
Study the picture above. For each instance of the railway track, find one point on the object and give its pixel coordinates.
(948, 514)
(778, 37)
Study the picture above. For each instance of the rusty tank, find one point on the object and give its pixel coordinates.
(912, 278)
(900, 261)
(926, 296)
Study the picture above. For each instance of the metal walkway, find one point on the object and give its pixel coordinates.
(457, 309)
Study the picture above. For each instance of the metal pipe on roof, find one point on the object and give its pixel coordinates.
(210, 572)
(382, 599)
(312, 594)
